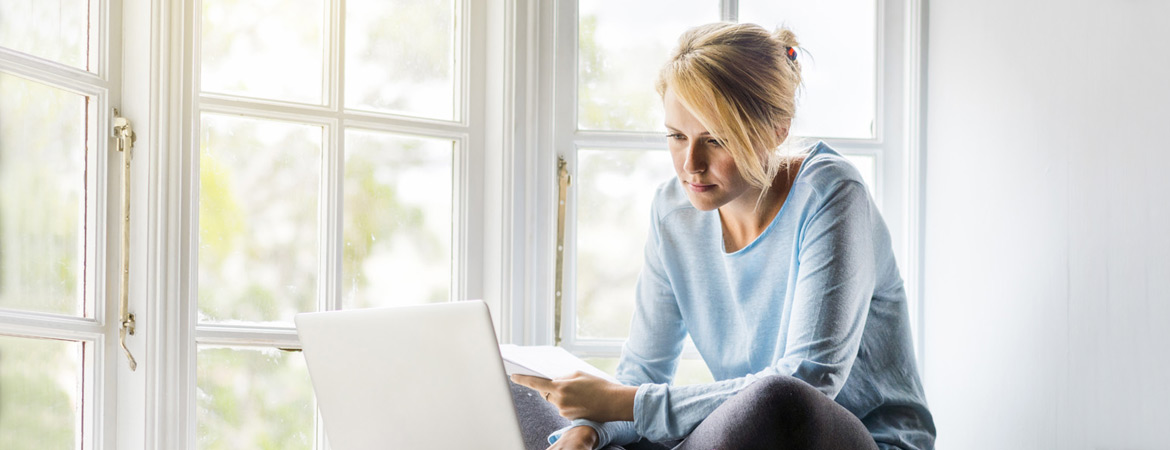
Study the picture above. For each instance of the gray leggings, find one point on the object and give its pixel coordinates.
(777, 412)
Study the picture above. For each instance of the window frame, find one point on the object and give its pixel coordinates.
(334, 120)
(96, 328)
(167, 291)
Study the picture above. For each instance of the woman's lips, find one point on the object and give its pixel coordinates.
(700, 187)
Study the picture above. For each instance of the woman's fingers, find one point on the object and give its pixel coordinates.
(583, 396)
(538, 384)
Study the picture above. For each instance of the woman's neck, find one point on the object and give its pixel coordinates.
(745, 218)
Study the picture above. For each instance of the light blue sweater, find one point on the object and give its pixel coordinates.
(816, 296)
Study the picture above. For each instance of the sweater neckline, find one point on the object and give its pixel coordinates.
(788, 196)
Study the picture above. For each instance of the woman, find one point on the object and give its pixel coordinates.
(780, 268)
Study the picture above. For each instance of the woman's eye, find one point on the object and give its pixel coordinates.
(676, 136)
(715, 142)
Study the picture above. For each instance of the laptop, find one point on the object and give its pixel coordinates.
(410, 377)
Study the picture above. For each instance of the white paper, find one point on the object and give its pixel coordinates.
(545, 361)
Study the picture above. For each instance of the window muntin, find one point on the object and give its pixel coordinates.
(270, 49)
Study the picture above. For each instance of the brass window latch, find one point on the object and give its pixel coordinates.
(564, 180)
(123, 134)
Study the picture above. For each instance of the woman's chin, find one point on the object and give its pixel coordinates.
(702, 204)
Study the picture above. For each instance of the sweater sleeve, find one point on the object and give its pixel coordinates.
(834, 285)
(657, 331)
(617, 433)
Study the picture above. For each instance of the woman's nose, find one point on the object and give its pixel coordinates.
(694, 162)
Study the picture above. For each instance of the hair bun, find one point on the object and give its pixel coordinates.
(785, 37)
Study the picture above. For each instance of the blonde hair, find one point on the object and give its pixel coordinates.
(740, 83)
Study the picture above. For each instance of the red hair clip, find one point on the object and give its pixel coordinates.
(791, 54)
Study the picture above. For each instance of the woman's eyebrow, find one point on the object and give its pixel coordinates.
(676, 130)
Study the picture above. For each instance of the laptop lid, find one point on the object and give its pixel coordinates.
(410, 377)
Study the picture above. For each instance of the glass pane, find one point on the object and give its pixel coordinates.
(621, 47)
(400, 57)
(613, 216)
(271, 49)
(253, 398)
(40, 393)
(867, 165)
(690, 371)
(58, 30)
(258, 182)
(838, 63)
(42, 197)
(397, 219)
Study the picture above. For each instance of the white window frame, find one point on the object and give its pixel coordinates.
(895, 148)
(159, 411)
(98, 326)
(335, 121)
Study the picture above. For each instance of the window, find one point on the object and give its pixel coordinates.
(331, 145)
(282, 165)
(57, 83)
(609, 126)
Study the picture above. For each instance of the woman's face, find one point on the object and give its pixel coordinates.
(706, 170)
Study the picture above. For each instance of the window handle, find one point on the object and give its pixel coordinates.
(124, 135)
(563, 194)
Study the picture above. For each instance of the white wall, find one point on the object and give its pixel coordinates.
(1047, 247)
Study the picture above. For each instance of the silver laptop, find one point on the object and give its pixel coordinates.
(411, 377)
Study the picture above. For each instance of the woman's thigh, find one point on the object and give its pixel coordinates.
(538, 418)
(780, 412)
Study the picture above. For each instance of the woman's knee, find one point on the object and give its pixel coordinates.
(775, 404)
(807, 418)
(788, 398)
(772, 412)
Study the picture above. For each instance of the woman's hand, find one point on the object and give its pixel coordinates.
(584, 396)
(576, 438)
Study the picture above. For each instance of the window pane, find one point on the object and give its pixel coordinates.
(271, 49)
(690, 371)
(838, 62)
(253, 398)
(58, 30)
(613, 216)
(621, 46)
(40, 393)
(42, 197)
(258, 183)
(397, 220)
(400, 57)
